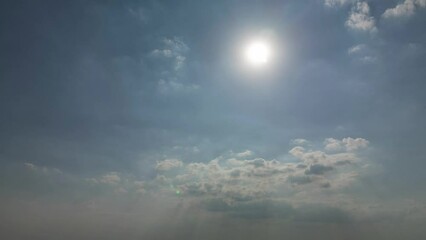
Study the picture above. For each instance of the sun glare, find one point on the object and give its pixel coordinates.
(257, 53)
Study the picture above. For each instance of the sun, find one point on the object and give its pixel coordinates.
(257, 53)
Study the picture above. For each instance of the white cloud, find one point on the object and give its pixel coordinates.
(246, 153)
(336, 3)
(356, 49)
(168, 164)
(353, 144)
(299, 141)
(360, 19)
(404, 9)
(348, 144)
(332, 144)
(233, 177)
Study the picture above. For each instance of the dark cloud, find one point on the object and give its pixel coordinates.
(318, 169)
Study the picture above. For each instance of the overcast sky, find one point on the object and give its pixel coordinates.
(143, 120)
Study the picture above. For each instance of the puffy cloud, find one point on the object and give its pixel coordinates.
(404, 9)
(233, 177)
(244, 154)
(360, 19)
(168, 164)
(332, 144)
(349, 144)
(353, 144)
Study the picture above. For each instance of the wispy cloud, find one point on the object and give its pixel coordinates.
(174, 51)
(363, 53)
(336, 3)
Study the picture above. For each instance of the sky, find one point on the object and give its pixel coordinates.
(145, 120)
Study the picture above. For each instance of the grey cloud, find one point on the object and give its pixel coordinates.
(299, 179)
(318, 169)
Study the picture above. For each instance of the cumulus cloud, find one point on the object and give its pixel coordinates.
(234, 181)
(359, 18)
(168, 164)
(240, 177)
(349, 144)
(404, 9)
(246, 153)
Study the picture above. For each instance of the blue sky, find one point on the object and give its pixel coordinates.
(122, 114)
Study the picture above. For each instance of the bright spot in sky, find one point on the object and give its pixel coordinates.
(257, 53)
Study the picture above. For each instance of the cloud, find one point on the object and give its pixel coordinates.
(362, 53)
(356, 49)
(110, 178)
(360, 19)
(235, 182)
(239, 177)
(336, 3)
(42, 170)
(318, 169)
(174, 49)
(349, 144)
(173, 55)
(168, 164)
(404, 9)
(244, 154)
(299, 141)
